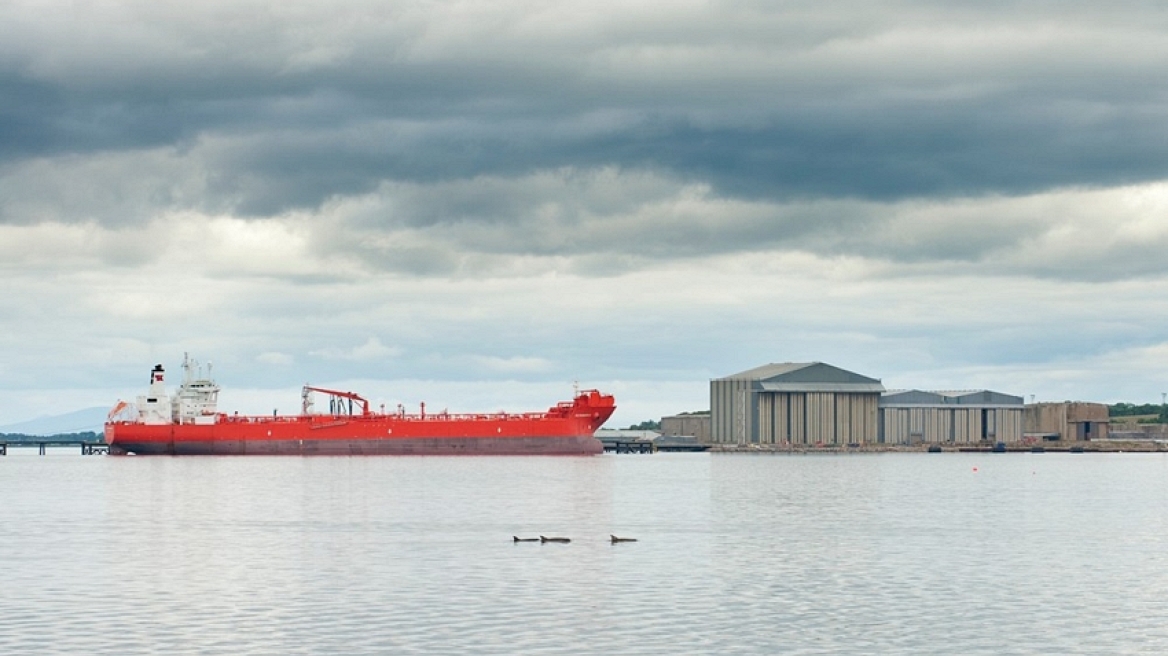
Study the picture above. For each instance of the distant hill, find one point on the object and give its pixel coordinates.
(80, 421)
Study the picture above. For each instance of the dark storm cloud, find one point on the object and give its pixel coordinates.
(439, 139)
(999, 145)
(908, 151)
(860, 102)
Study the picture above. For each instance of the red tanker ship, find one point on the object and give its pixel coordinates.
(188, 423)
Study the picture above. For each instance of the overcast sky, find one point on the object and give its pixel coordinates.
(475, 204)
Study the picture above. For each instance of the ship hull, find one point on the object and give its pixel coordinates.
(322, 437)
(579, 445)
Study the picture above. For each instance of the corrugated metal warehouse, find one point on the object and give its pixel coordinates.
(916, 417)
(795, 403)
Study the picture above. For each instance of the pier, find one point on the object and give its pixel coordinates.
(87, 448)
(628, 446)
(646, 441)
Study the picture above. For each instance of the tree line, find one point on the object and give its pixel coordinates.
(84, 436)
(1159, 410)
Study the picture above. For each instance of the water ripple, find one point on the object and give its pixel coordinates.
(895, 553)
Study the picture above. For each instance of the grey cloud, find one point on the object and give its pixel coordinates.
(611, 221)
(474, 129)
(759, 103)
(996, 147)
(610, 211)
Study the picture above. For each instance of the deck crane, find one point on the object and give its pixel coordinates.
(337, 401)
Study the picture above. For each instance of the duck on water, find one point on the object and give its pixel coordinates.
(543, 538)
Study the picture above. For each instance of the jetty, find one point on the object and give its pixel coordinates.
(628, 446)
(88, 448)
(646, 441)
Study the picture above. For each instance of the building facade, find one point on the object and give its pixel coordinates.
(1068, 421)
(695, 425)
(965, 417)
(795, 403)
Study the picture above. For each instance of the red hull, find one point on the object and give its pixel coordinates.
(583, 445)
(566, 429)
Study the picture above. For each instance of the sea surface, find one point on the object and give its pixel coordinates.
(735, 554)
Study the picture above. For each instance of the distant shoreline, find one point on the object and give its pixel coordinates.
(1099, 446)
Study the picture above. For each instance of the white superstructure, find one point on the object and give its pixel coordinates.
(194, 402)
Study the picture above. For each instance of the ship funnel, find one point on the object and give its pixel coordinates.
(156, 374)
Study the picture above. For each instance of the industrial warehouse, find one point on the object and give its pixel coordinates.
(817, 404)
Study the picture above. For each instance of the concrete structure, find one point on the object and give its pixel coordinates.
(1128, 430)
(794, 403)
(695, 425)
(1067, 421)
(965, 417)
(676, 443)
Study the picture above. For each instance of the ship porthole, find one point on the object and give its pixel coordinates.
(389, 432)
(499, 430)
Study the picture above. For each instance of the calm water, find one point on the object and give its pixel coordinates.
(857, 554)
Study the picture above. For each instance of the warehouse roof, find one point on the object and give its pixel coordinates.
(807, 377)
(961, 397)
